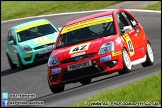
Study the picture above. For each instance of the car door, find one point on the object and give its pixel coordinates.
(127, 35)
(12, 45)
(137, 36)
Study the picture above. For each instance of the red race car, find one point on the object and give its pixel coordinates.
(96, 45)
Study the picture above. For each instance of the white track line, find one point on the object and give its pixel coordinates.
(78, 13)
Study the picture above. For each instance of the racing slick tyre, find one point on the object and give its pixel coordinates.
(13, 66)
(86, 81)
(126, 63)
(21, 65)
(149, 56)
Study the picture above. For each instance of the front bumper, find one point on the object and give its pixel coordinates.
(35, 56)
(100, 66)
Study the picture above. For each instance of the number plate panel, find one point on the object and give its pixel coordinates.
(79, 65)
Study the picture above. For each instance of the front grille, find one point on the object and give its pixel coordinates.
(42, 56)
(28, 58)
(79, 74)
(43, 46)
(83, 57)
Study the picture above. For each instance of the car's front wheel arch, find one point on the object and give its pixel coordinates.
(12, 65)
(21, 65)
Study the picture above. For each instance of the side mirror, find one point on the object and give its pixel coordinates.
(59, 28)
(126, 28)
(11, 42)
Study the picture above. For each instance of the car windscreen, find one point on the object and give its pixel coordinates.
(35, 32)
(91, 29)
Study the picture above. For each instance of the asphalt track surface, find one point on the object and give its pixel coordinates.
(34, 79)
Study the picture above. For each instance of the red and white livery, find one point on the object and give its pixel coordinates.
(96, 45)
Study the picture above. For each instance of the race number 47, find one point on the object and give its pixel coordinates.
(79, 48)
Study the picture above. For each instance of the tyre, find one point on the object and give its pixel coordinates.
(86, 81)
(57, 89)
(21, 65)
(149, 56)
(126, 63)
(13, 66)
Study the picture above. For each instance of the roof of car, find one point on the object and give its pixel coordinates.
(30, 23)
(91, 16)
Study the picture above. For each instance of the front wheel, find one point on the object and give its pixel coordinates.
(57, 89)
(126, 63)
(13, 66)
(149, 56)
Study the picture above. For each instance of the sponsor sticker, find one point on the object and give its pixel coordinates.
(87, 23)
(129, 43)
(77, 54)
(121, 37)
(118, 40)
(43, 40)
(106, 58)
(40, 40)
(56, 70)
(116, 53)
(31, 26)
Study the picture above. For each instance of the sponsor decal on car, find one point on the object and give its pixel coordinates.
(116, 53)
(118, 40)
(56, 70)
(106, 58)
(77, 54)
(43, 40)
(87, 23)
(121, 37)
(31, 26)
(129, 43)
(79, 48)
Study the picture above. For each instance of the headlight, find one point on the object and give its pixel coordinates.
(106, 47)
(53, 61)
(26, 48)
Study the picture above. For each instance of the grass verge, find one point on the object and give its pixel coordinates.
(144, 92)
(156, 6)
(20, 9)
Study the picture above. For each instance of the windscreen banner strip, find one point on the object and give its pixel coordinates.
(31, 26)
(87, 23)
